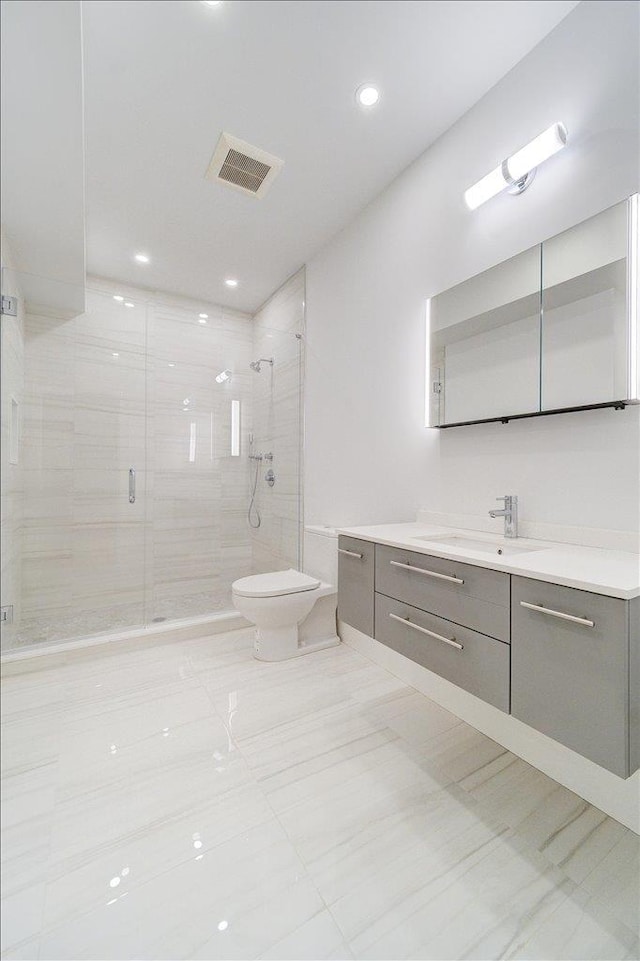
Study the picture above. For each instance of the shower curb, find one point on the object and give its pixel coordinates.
(32, 657)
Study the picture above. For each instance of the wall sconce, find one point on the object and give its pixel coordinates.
(517, 171)
(222, 376)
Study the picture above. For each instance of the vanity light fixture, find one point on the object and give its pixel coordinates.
(222, 376)
(367, 95)
(517, 171)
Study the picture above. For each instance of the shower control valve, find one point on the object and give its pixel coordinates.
(270, 478)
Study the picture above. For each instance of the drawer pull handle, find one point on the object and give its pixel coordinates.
(446, 640)
(341, 550)
(421, 570)
(565, 617)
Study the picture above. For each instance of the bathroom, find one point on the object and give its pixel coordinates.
(202, 388)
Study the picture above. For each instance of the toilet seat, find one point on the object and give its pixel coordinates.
(274, 584)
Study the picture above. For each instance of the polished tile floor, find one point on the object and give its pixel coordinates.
(187, 801)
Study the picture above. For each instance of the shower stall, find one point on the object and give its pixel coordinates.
(126, 478)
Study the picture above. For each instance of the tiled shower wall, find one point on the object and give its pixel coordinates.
(277, 405)
(11, 479)
(132, 387)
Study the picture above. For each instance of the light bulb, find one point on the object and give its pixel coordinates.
(367, 95)
(553, 139)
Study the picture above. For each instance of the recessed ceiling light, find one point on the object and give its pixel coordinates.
(118, 297)
(231, 282)
(367, 95)
(171, 365)
(211, 3)
(142, 258)
(128, 303)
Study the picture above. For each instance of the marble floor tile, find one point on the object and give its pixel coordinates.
(460, 752)
(318, 938)
(616, 881)
(470, 898)
(21, 917)
(234, 901)
(580, 928)
(184, 800)
(27, 804)
(413, 717)
(77, 884)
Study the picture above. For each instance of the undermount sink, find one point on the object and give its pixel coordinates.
(500, 549)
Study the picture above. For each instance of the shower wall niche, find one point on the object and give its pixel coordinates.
(130, 386)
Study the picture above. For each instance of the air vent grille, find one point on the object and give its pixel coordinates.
(243, 171)
(242, 166)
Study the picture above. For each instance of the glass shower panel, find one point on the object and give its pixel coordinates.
(82, 429)
(276, 432)
(199, 404)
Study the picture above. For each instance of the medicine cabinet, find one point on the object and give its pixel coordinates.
(553, 329)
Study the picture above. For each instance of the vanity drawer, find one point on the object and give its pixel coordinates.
(472, 596)
(480, 665)
(570, 669)
(356, 569)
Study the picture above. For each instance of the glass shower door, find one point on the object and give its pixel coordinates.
(82, 430)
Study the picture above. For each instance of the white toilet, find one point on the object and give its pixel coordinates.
(294, 613)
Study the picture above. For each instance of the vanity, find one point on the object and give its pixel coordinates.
(546, 632)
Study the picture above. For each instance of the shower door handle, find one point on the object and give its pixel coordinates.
(132, 485)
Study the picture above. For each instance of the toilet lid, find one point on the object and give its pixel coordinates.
(274, 584)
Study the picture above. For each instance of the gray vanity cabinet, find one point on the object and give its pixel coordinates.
(356, 570)
(571, 654)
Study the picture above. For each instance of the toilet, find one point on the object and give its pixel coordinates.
(294, 613)
(287, 609)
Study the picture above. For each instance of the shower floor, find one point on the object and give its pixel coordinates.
(117, 618)
(184, 800)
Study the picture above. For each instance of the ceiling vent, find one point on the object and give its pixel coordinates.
(245, 168)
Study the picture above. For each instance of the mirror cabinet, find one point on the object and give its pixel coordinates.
(552, 329)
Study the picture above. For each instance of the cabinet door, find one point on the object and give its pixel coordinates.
(356, 567)
(485, 344)
(569, 678)
(584, 303)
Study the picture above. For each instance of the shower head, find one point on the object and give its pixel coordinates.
(256, 364)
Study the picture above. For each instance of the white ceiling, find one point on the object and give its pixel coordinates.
(163, 79)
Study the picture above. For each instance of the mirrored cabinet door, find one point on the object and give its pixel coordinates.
(584, 318)
(485, 344)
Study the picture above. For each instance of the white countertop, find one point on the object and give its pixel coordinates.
(615, 573)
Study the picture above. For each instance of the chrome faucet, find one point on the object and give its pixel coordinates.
(510, 514)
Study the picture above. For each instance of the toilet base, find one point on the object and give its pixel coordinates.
(265, 650)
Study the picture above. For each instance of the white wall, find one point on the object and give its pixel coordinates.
(368, 457)
(42, 167)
